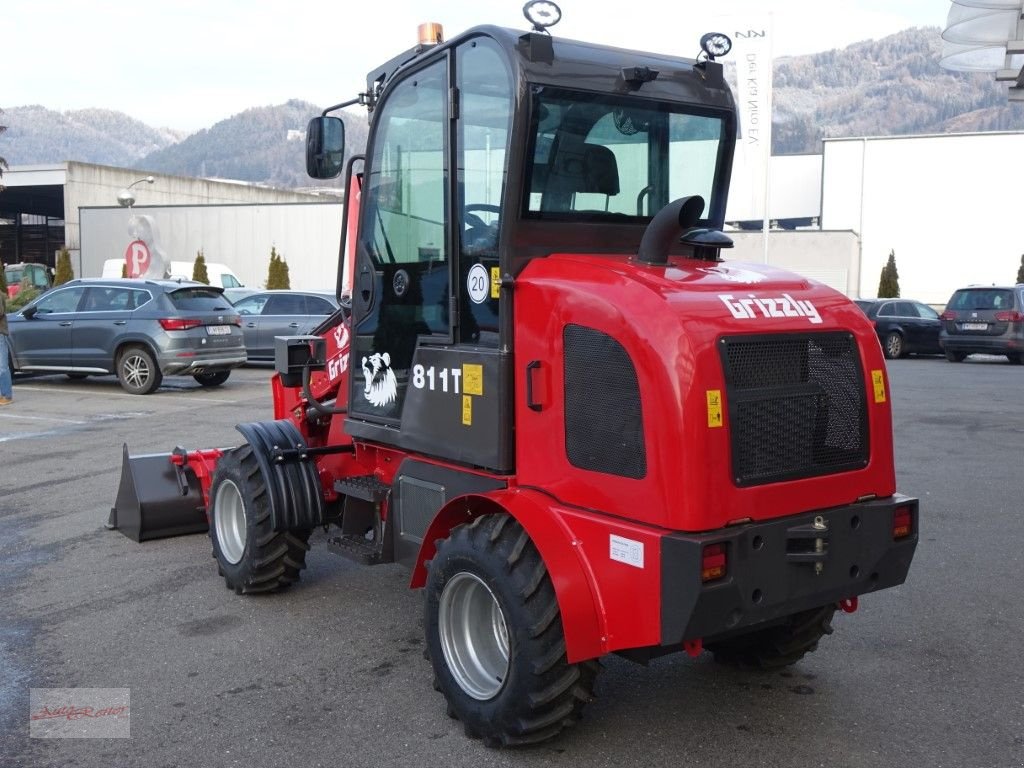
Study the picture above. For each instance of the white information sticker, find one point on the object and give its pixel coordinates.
(478, 284)
(627, 551)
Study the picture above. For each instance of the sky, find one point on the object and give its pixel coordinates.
(187, 64)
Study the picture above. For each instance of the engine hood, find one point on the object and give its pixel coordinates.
(677, 323)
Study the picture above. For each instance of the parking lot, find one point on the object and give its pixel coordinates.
(331, 673)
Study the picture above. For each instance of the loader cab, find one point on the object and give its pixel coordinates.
(485, 153)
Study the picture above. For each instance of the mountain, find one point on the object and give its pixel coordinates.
(888, 87)
(262, 144)
(37, 135)
(892, 86)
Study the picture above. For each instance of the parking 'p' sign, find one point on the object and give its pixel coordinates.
(137, 257)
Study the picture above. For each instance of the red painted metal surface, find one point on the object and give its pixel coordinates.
(202, 463)
(668, 319)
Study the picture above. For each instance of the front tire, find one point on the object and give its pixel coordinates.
(251, 556)
(214, 379)
(894, 346)
(494, 636)
(778, 646)
(137, 371)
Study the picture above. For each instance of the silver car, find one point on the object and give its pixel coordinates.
(280, 313)
(138, 330)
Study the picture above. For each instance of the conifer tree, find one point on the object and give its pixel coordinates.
(889, 282)
(199, 273)
(277, 274)
(1020, 270)
(64, 270)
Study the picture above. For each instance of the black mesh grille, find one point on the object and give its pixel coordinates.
(797, 406)
(604, 429)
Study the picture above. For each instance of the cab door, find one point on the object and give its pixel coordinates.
(428, 370)
(403, 271)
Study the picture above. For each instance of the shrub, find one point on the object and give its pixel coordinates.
(199, 273)
(64, 270)
(277, 274)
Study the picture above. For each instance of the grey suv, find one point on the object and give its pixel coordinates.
(986, 320)
(140, 330)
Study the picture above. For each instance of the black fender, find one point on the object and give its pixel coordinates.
(293, 485)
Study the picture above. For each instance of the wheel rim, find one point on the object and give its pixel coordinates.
(136, 371)
(474, 636)
(895, 345)
(229, 521)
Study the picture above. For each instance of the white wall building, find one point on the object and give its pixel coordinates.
(946, 205)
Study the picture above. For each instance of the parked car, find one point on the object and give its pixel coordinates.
(985, 320)
(234, 295)
(280, 313)
(138, 330)
(904, 326)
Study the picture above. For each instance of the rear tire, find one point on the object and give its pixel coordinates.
(494, 636)
(137, 371)
(894, 346)
(778, 646)
(214, 379)
(250, 555)
(1015, 358)
(955, 357)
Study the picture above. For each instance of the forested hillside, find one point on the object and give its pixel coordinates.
(884, 87)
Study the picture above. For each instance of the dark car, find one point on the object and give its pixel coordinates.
(984, 320)
(280, 313)
(904, 326)
(139, 330)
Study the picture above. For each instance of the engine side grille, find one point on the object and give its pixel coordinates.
(604, 429)
(797, 406)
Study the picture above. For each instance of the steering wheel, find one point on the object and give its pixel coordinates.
(472, 220)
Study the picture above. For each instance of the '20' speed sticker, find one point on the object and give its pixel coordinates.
(478, 284)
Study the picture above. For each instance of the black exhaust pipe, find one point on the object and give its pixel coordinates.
(666, 227)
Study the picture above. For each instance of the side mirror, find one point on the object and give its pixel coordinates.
(325, 147)
(28, 313)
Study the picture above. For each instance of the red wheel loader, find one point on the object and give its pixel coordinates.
(550, 397)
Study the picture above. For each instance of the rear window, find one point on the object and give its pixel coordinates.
(983, 298)
(198, 299)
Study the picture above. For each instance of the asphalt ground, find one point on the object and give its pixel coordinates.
(330, 672)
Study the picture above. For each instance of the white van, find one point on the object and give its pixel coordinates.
(219, 274)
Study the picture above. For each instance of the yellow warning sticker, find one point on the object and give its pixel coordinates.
(714, 407)
(467, 410)
(473, 379)
(878, 381)
(495, 282)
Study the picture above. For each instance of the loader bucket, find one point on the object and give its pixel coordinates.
(157, 499)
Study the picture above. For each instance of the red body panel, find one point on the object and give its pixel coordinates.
(668, 319)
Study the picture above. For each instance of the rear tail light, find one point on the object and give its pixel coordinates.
(237, 320)
(713, 564)
(948, 315)
(179, 323)
(1010, 317)
(902, 523)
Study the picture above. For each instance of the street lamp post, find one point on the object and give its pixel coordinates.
(125, 198)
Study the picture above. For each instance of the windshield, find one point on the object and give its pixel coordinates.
(599, 156)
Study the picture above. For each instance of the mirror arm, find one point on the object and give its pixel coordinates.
(361, 100)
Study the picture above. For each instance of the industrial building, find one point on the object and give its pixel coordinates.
(42, 208)
(943, 204)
